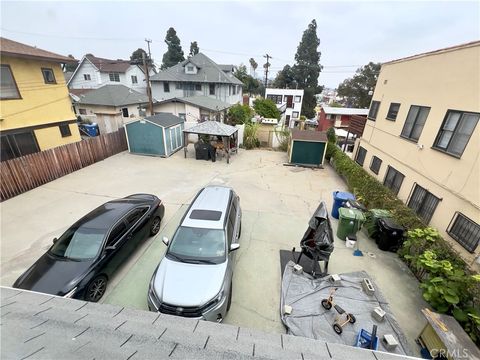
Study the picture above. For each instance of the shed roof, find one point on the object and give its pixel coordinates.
(113, 95)
(208, 72)
(14, 48)
(204, 102)
(165, 119)
(309, 135)
(344, 111)
(212, 128)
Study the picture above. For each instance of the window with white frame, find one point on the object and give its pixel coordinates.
(295, 114)
(115, 77)
(297, 98)
(87, 77)
(190, 69)
(134, 79)
(455, 132)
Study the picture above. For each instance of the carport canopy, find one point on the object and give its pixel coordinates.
(213, 128)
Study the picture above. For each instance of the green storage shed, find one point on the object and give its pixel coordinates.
(158, 135)
(307, 147)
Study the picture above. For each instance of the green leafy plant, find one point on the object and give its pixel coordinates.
(239, 114)
(250, 139)
(266, 108)
(283, 137)
(332, 138)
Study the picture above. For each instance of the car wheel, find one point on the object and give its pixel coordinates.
(155, 227)
(96, 289)
(230, 298)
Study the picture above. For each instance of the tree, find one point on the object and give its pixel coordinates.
(307, 68)
(250, 84)
(174, 54)
(253, 64)
(137, 55)
(194, 49)
(241, 73)
(355, 90)
(71, 66)
(331, 136)
(240, 114)
(285, 78)
(266, 108)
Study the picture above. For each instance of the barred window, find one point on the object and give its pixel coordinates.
(423, 203)
(375, 164)
(361, 156)
(465, 231)
(393, 180)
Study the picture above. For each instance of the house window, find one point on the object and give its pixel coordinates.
(456, 130)
(234, 89)
(87, 77)
(48, 76)
(423, 203)
(298, 99)
(277, 99)
(415, 120)
(190, 68)
(142, 111)
(375, 164)
(182, 115)
(178, 86)
(372, 114)
(82, 111)
(295, 114)
(465, 231)
(212, 89)
(198, 87)
(16, 145)
(65, 130)
(360, 158)
(125, 112)
(393, 111)
(115, 77)
(166, 87)
(329, 116)
(393, 180)
(8, 86)
(134, 79)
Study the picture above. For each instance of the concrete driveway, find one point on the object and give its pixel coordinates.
(277, 202)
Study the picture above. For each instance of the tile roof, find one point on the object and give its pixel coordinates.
(204, 102)
(309, 135)
(113, 95)
(52, 327)
(208, 72)
(344, 111)
(16, 49)
(212, 128)
(165, 119)
(108, 65)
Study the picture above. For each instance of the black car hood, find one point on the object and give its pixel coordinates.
(53, 275)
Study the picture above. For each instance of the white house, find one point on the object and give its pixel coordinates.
(94, 72)
(197, 76)
(289, 102)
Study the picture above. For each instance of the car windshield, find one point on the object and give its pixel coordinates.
(79, 243)
(198, 245)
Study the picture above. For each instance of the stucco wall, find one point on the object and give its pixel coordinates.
(442, 81)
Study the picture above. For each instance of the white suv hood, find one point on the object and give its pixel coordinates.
(185, 284)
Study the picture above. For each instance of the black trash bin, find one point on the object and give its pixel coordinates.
(354, 204)
(390, 235)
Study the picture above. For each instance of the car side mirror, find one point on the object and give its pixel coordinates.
(234, 247)
(165, 240)
(55, 240)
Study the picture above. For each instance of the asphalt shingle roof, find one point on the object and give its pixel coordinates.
(309, 135)
(113, 95)
(208, 72)
(44, 326)
(212, 128)
(14, 48)
(108, 65)
(204, 102)
(165, 119)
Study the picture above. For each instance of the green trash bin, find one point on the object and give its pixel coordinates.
(350, 221)
(371, 222)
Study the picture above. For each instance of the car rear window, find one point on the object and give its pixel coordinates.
(205, 215)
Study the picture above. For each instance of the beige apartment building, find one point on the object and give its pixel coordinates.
(422, 140)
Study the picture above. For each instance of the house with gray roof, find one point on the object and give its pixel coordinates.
(93, 72)
(110, 106)
(197, 76)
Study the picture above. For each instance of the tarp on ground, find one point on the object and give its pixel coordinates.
(309, 319)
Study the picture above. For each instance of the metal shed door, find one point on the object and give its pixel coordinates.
(309, 153)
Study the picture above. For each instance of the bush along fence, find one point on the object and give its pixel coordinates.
(28, 172)
(448, 284)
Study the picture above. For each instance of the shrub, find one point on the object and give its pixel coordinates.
(250, 139)
(332, 138)
(240, 114)
(283, 137)
(266, 108)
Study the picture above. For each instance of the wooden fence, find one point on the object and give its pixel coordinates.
(27, 172)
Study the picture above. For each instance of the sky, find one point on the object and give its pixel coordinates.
(351, 33)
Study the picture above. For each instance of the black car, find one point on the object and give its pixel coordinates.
(80, 262)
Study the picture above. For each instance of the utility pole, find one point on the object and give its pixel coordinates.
(149, 89)
(148, 44)
(266, 68)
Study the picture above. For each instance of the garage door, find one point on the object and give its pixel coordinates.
(309, 153)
